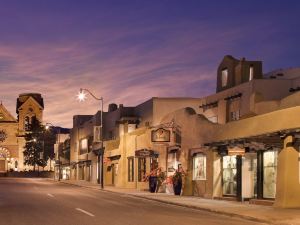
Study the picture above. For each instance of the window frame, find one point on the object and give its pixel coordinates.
(251, 72)
(224, 77)
(81, 149)
(141, 168)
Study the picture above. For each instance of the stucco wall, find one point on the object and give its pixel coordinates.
(283, 119)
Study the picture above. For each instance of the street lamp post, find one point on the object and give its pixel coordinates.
(82, 97)
(58, 140)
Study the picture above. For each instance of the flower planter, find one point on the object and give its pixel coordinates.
(152, 183)
(177, 187)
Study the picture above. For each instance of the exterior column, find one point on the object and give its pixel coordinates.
(288, 186)
(239, 177)
(260, 174)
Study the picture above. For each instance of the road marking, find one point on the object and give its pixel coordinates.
(50, 195)
(85, 212)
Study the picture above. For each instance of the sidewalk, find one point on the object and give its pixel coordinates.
(259, 213)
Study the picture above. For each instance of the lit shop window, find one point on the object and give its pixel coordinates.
(270, 174)
(141, 168)
(130, 169)
(251, 73)
(199, 167)
(224, 77)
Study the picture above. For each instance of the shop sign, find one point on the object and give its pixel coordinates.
(160, 135)
(144, 153)
(236, 151)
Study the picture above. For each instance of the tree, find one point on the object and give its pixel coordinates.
(39, 147)
(34, 144)
(49, 141)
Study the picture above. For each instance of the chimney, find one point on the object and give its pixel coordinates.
(112, 107)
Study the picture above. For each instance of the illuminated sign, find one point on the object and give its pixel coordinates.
(160, 135)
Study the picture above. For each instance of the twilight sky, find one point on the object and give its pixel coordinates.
(129, 51)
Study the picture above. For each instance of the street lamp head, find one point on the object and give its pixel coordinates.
(34, 139)
(47, 127)
(81, 95)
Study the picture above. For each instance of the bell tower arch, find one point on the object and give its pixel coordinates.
(29, 106)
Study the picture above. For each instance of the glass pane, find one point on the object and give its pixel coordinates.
(199, 167)
(270, 172)
(229, 175)
(249, 173)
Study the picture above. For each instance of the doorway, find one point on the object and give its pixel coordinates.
(229, 177)
(269, 173)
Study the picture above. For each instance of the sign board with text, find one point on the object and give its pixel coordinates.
(160, 135)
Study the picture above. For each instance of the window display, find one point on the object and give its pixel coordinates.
(172, 163)
(229, 175)
(141, 169)
(270, 172)
(199, 167)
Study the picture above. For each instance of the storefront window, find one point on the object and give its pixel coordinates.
(270, 172)
(141, 168)
(153, 163)
(172, 163)
(130, 169)
(229, 175)
(199, 167)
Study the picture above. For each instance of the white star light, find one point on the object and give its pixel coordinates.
(81, 96)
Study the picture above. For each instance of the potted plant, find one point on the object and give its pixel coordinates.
(155, 178)
(177, 178)
(152, 178)
(161, 177)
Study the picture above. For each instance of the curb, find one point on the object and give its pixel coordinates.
(236, 215)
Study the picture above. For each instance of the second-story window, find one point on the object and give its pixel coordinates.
(235, 115)
(251, 73)
(26, 123)
(224, 77)
(83, 146)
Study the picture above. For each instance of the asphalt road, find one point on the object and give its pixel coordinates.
(41, 202)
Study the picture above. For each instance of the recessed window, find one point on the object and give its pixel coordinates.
(224, 77)
(83, 146)
(199, 167)
(251, 73)
(235, 115)
(131, 169)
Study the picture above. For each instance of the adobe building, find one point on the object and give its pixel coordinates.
(244, 144)
(12, 130)
(241, 143)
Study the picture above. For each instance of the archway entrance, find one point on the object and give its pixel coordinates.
(4, 155)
